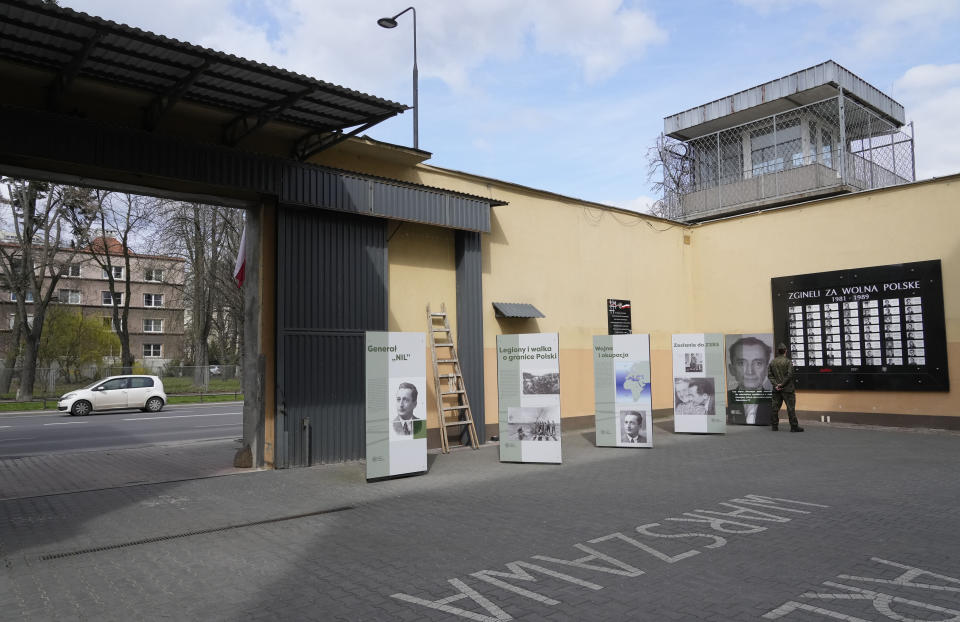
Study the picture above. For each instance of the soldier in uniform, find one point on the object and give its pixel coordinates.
(780, 373)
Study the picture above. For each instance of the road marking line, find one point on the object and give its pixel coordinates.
(18, 438)
(65, 423)
(180, 416)
(6, 426)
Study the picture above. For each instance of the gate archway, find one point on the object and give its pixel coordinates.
(92, 102)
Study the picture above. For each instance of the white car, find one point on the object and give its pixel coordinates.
(143, 392)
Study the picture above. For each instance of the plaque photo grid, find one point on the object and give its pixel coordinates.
(869, 328)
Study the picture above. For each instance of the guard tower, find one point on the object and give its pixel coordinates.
(815, 133)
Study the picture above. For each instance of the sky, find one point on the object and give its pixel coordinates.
(568, 95)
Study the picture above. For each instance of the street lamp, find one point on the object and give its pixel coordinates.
(391, 22)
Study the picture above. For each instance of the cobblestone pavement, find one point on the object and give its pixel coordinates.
(38, 475)
(835, 523)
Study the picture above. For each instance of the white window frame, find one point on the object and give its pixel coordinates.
(151, 346)
(153, 275)
(13, 297)
(777, 158)
(117, 299)
(13, 320)
(68, 293)
(156, 325)
(156, 300)
(117, 272)
(67, 271)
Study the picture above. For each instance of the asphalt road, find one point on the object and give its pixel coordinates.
(41, 433)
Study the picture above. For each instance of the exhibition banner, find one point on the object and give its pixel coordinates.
(880, 327)
(748, 389)
(699, 399)
(396, 408)
(621, 388)
(528, 385)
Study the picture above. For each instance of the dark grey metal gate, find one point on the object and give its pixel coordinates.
(331, 287)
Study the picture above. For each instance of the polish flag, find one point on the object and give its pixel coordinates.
(240, 267)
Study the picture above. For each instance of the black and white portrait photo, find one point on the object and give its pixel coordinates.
(409, 421)
(694, 396)
(693, 362)
(631, 423)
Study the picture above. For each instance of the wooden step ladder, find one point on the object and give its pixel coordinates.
(451, 395)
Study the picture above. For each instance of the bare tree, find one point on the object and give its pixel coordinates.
(117, 221)
(199, 234)
(12, 354)
(43, 218)
(670, 174)
(228, 301)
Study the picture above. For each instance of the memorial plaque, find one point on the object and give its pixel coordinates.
(619, 320)
(868, 328)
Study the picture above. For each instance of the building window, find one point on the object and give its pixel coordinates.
(13, 296)
(153, 300)
(70, 296)
(107, 301)
(117, 272)
(767, 156)
(826, 148)
(70, 270)
(109, 324)
(153, 326)
(151, 350)
(153, 275)
(704, 156)
(13, 320)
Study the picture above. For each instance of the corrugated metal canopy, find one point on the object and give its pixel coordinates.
(76, 44)
(793, 91)
(516, 309)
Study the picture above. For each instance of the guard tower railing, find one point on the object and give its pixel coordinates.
(834, 146)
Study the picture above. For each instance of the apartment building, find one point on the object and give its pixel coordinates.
(156, 317)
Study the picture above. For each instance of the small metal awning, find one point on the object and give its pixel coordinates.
(516, 309)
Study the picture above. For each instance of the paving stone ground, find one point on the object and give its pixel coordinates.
(478, 539)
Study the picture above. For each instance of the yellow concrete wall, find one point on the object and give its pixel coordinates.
(564, 257)
(736, 258)
(567, 257)
(422, 270)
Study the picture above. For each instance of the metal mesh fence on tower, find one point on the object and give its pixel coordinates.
(832, 146)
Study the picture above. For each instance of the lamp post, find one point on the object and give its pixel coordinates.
(391, 22)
